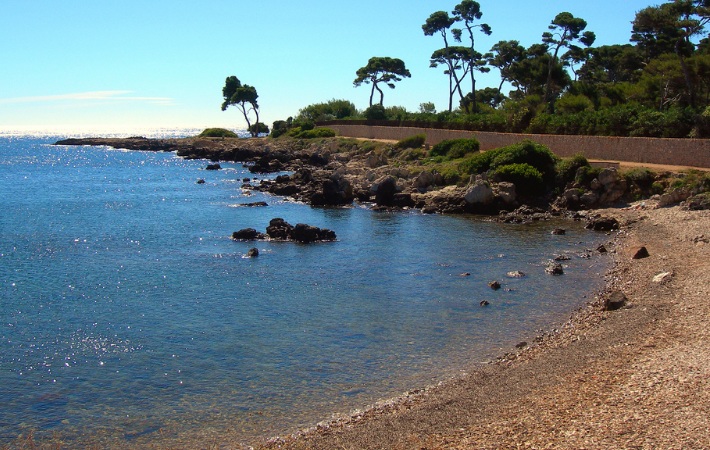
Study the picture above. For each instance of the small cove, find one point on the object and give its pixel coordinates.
(128, 315)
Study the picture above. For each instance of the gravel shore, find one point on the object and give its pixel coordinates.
(637, 377)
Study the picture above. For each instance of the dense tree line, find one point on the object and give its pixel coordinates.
(656, 85)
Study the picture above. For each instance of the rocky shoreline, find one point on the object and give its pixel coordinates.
(338, 172)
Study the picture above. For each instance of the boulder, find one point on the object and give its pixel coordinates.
(424, 180)
(554, 268)
(615, 300)
(602, 224)
(479, 193)
(673, 197)
(213, 167)
(307, 233)
(506, 192)
(495, 285)
(639, 253)
(247, 234)
(698, 202)
(201, 181)
(279, 229)
(515, 274)
(252, 253)
(384, 190)
(559, 232)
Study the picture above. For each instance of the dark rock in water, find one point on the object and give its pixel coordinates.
(213, 167)
(281, 230)
(495, 285)
(247, 234)
(562, 258)
(466, 274)
(253, 252)
(521, 345)
(616, 300)
(602, 224)
(602, 249)
(385, 191)
(515, 274)
(253, 204)
(484, 303)
(559, 231)
(554, 268)
(639, 253)
(307, 234)
(201, 181)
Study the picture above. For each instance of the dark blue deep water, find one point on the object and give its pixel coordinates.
(129, 317)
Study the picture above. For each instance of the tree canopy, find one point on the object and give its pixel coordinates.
(244, 98)
(381, 69)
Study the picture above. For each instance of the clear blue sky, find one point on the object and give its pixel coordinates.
(134, 64)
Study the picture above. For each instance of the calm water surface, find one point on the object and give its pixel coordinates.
(128, 316)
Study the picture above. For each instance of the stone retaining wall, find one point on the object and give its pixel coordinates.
(677, 152)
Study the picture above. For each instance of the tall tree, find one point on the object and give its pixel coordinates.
(244, 98)
(504, 55)
(381, 69)
(565, 30)
(454, 59)
(469, 11)
(674, 24)
(440, 23)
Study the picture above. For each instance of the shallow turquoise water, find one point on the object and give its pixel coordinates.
(128, 315)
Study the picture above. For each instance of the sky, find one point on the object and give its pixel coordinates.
(138, 64)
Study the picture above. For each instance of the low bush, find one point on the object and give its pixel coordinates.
(218, 132)
(415, 141)
(566, 169)
(641, 177)
(455, 148)
(315, 133)
(526, 178)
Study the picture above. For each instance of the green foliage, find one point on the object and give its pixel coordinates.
(279, 128)
(455, 148)
(381, 69)
(415, 141)
(299, 133)
(641, 177)
(586, 174)
(376, 112)
(567, 168)
(526, 152)
(217, 132)
(526, 178)
(571, 103)
(330, 110)
(258, 128)
(243, 97)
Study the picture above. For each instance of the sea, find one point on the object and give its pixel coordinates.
(130, 318)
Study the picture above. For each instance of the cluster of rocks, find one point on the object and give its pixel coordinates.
(280, 230)
(606, 189)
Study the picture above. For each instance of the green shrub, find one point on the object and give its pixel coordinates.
(455, 148)
(566, 169)
(218, 132)
(641, 177)
(415, 141)
(376, 112)
(316, 133)
(526, 178)
(586, 174)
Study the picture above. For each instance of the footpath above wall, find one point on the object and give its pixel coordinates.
(677, 152)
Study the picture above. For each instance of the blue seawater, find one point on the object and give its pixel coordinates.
(129, 317)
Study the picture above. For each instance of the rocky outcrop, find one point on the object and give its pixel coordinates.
(602, 224)
(280, 230)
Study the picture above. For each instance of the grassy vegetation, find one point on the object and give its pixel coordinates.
(218, 132)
